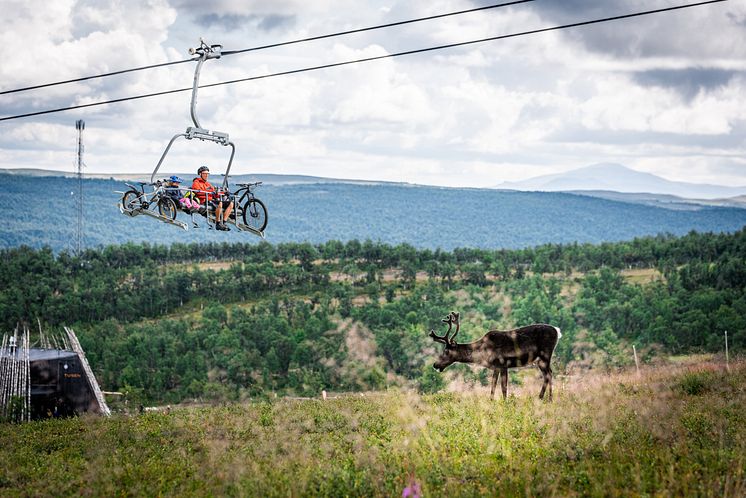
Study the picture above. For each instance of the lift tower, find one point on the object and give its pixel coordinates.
(80, 126)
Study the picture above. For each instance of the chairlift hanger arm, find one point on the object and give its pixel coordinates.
(202, 53)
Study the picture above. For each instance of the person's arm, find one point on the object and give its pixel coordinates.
(196, 187)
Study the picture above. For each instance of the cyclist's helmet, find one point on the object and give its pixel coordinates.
(203, 168)
(176, 179)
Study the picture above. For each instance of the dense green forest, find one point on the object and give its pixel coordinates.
(222, 321)
(427, 217)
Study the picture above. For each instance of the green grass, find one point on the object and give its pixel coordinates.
(679, 431)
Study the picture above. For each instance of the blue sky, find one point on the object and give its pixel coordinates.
(663, 94)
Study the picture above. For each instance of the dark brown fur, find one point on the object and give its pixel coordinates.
(500, 350)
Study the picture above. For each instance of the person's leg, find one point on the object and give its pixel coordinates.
(228, 212)
(218, 216)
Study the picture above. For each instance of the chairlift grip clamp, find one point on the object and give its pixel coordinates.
(205, 51)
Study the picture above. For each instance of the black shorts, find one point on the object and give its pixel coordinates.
(216, 202)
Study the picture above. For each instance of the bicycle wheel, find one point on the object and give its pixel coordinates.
(131, 204)
(167, 208)
(255, 214)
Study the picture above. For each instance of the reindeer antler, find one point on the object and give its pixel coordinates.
(443, 338)
(454, 318)
(450, 319)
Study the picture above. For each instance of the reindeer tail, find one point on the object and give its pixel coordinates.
(559, 332)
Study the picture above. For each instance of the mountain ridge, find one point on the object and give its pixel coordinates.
(628, 185)
(268, 178)
(616, 177)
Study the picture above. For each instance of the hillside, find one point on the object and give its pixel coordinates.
(664, 201)
(235, 321)
(669, 432)
(40, 212)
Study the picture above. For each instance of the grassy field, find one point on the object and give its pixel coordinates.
(674, 431)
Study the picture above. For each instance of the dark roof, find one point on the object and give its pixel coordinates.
(36, 354)
(50, 354)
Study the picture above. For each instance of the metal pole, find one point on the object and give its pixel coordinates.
(637, 363)
(80, 126)
(3, 373)
(727, 364)
(27, 375)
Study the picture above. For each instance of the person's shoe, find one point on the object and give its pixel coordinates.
(223, 227)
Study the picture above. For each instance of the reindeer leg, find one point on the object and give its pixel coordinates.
(504, 382)
(547, 375)
(495, 374)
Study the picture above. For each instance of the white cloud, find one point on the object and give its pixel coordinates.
(470, 116)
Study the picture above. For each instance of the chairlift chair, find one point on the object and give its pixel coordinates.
(155, 204)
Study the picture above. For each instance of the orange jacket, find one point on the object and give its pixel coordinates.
(204, 186)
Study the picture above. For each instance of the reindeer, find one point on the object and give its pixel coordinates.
(499, 350)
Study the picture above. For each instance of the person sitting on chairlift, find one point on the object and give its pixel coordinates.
(172, 188)
(207, 193)
(184, 200)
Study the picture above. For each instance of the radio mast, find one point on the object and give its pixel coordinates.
(80, 126)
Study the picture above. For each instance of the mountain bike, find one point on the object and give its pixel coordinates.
(136, 201)
(251, 210)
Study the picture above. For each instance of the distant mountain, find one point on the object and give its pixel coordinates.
(41, 212)
(618, 178)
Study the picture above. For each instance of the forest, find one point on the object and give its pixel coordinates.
(231, 321)
(424, 216)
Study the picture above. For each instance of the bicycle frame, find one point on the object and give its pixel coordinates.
(148, 200)
(154, 196)
(248, 192)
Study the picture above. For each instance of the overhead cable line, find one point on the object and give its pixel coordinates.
(368, 59)
(84, 78)
(390, 25)
(272, 45)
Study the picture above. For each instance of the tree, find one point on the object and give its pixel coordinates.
(430, 381)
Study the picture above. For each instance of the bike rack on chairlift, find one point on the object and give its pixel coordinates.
(144, 209)
(203, 53)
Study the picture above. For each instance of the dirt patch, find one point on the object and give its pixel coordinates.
(390, 275)
(463, 299)
(215, 265)
(642, 275)
(360, 300)
(360, 343)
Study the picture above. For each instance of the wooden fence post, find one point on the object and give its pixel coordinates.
(727, 363)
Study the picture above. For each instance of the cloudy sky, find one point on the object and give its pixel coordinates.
(664, 94)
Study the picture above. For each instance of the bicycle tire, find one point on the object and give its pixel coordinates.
(167, 208)
(131, 203)
(254, 214)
